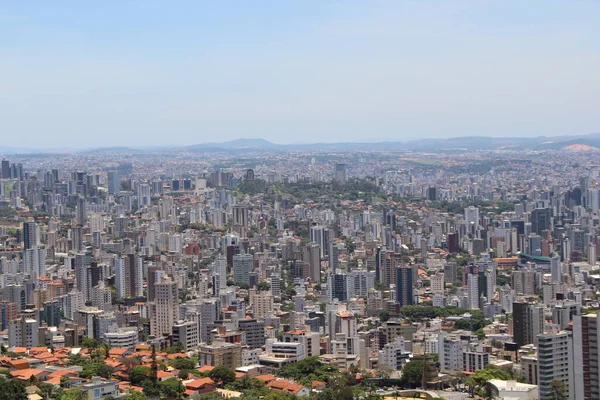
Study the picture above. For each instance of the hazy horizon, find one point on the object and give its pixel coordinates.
(112, 74)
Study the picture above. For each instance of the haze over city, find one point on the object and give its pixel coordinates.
(80, 74)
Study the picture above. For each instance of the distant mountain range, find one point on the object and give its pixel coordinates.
(467, 143)
(583, 142)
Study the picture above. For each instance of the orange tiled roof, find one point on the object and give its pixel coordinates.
(26, 373)
(199, 383)
(119, 351)
(285, 386)
(266, 378)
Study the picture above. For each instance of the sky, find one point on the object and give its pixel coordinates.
(153, 73)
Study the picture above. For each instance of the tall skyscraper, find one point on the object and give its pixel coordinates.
(219, 274)
(240, 216)
(555, 269)
(334, 256)
(164, 310)
(317, 235)
(242, 266)
(337, 286)
(540, 220)
(114, 182)
(528, 322)
(312, 255)
(31, 234)
(154, 274)
(82, 282)
(34, 262)
(129, 276)
(404, 285)
(143, 194)
(340, 174)
(5, 169)
(81, 211)
(473, 291)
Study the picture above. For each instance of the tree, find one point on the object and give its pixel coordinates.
(263, 286)
(129, 363)
(89, 343)
(172, 388)
(308, 370)
(462, 324)
(133, 395)
(338, 389)
(96, 369)
(183, 363)
(12, 389)
(412, 373)
(176, 348)
(183, 374)
(151, 388)
(77, 359)
(384, 316)
(558, 390)
(222, 375)
(74, 394)
(246, 383)
(384, 371)
(477, 382)
(139, 374)
(47, 390)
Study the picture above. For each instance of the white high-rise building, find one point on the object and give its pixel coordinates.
(120, 278)
(275, 284)
(555, 269)
(186, 333)
(219, 273)
(129, 276)
(450, 350)
(71, 302)
(359, 282)
(143, 195)
(437, 283)
(23, 332)
(317, 235)
(473, 291)
(592, 254)
(555, 360)
(101, 297)
(586, 358)
(34, 262)
(164, 310)
(393, 354)
(472, 219)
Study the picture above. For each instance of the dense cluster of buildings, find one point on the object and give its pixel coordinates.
(179, 255)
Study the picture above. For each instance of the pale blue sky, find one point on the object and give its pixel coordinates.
(108, 73)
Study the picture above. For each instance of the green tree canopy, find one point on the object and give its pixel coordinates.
(222, 375)
(96, 369)
(139, 374)
(308, 370)
(183, 363)
(12, 389)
